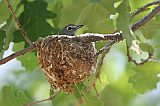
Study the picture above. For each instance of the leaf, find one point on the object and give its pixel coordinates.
(135, 47)
(2, 36)
(150, 30)
(77, 90)
(158, 17)
(88, 98)
(33, 19)
(9, 27)
(91, 100)
(136, 5)
(146, 47)
(12, 97)
(145, 77)
(57, 10)
(94, 15)
(123, 21)
(4, 11)
(29, 60)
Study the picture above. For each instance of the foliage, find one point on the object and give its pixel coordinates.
(121, 81)
(12, 97)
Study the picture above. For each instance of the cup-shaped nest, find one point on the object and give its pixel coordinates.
(65, 61)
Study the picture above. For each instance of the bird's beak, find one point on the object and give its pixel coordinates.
(79, 26)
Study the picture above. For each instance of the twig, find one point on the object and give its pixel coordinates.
(140, 23)
(19, 25)
(106, 47)
(81, 100)
(144, 8)
(83, 38)
(50, 98)
(19, 53)
(148, 17)
(134, 27)
(92, 37)
(103, 53)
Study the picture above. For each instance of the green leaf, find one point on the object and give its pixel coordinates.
(34, 20)
(150, 30)
(158, 17)
(4, 11)
(29, 60)
(57, 10)
(145, 77)
(146, 47)
(95, 1)
(91, 100)
(9, 27)
(77, 90)
(12, 97)
(94, 15)
(123, 21)
(2, 36)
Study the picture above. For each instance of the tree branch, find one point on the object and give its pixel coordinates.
(103, 53)
(144, 8)
(141, 23)
(18, 24)
(92, 37)
(50, 98)
(89, 37)
(148, 17)
(19, 53)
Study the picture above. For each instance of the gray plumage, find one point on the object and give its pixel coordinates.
(70, 29)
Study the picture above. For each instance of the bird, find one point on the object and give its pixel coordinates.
(70, 29)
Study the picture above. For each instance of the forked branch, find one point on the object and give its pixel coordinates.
(141, 23)
(134, 27)
(83, 38)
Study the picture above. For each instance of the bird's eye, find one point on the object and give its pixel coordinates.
(69, 28)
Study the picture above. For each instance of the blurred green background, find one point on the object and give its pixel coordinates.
(122, 83)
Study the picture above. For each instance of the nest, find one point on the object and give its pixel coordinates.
(65, 61)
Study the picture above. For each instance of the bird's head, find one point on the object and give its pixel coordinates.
(70, 29)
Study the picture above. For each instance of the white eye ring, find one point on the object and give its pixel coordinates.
(69, 28)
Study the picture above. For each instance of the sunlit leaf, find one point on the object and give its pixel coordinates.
(12, 97)
(3, 10)
(29, 60)
(145, 77)
(57, 10)
(123, 21)
(94, 15)
(34, 21)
